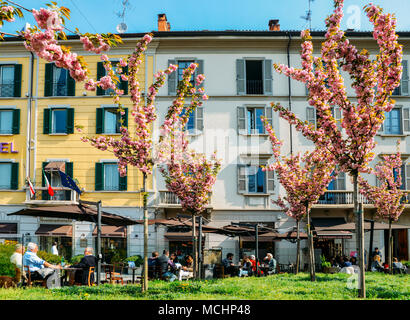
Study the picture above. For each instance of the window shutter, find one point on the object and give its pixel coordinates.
(341, 181)
(172, 80)
(404, 84)
(267, 83)
(241, 117)
(241, 178)
(14, 176)
(269, 115)
(408, 177)
(70, 86)
(68, 172)
(48, 80)
(17, 80)
(125, 118)
(381, 129)
(199, 70)
(123, 183)
(270, 175)
(44, 193)
(46, 121)
(240, 77)
(16, 121)
(124, 84)
(199, 119)
(311, 115)
(99, 120)
(337, 114)
(406, 119)
(100, 74)
(70, 120)
(99, 176)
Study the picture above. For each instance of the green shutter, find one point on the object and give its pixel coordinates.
(172, 80)
(99, 176)
(124, 84)
(68, 172)
(100, 74)
(70, 86)
(99, 120)
(125, 118)
(17, 80)
(48, 80)
(16, 121)
(123, 183)
(46, 121)
(14, 176)
(70, 120)
(44, 193)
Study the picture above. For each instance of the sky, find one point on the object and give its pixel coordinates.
(99, 16)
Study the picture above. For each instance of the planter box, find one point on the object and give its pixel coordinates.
(330, 270)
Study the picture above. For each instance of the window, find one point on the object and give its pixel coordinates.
(101, 72)
(107, 177)
(397, 121)
(6, 121)
(403, 88)
(58, 81)
(254, 76)
(10, 80)
(8, 175)
(195, 122)
(312, 117)
(175, 77)
(58, 120)
(109, 120)
(252, 179)
(249, 119)
(339, 183)
(54, 179)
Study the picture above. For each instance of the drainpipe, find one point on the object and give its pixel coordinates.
(289, 92)
(35, 121)
(29, 102)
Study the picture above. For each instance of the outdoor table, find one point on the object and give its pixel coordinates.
(70, 272)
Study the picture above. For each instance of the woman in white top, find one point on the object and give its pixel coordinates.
(17, 257)
(54, 249)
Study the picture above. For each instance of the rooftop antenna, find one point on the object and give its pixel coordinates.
(122, 27)
(308, 16)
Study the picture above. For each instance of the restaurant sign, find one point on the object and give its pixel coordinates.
(7, 147)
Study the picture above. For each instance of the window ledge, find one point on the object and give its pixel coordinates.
(6, 134)
(58, 134)
(254, 134)
(110, 134)
(256, 194)
(384, 135)
(11, 190)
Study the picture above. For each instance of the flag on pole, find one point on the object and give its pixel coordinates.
(68, 182)
(49, 189)
(32, 191)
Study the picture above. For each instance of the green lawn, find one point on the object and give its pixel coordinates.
(275, 287)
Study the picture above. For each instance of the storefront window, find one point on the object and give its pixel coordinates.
(64, 245)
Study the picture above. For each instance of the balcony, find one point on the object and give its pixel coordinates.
(345, 198)
(254, 87)
(168, 199)
(62, 196)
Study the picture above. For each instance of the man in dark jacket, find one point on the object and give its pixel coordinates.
(164, 263)
(89, 260)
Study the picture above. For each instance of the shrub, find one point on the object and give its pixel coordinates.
(6, 267)
(49, 257)
(406, 263)
(137, 259)
(76, 259)
(324, 262)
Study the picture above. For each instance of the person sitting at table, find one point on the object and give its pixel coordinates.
(229, 266)
(271, 261)
(187, 270)
(40, 269)
(163, 263)
(88, 261)
(152, 265)
(386, 268)
(253, 261)
(17, 256)
(176, 265)
(398, 267)
(376, 265)
(346, 262)
(246, 269)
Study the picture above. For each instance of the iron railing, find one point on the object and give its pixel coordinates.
(346, 197)
(254, 87)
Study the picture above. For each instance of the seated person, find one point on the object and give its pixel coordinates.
(164, 264)
(152, 264)
(176, 265)
(246, 268)
(229, 266)
(17, 257)
(386, 267)
(253, 261)
(89, 260)
(271, 261)
(187, 269)
(398, 267)
(346, 262)
(353, 260)
(40, 269)
(376, 265)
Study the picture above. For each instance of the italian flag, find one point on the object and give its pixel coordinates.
(49, 189)
(32, 191)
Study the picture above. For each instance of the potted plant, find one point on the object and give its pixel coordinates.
(327, 266)
(134, 261)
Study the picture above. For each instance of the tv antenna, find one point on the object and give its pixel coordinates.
(122, 27)
(308, 17)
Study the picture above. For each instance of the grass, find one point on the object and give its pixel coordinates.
(275, 287)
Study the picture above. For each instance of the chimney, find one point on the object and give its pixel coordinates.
(163, 24)
(274, 25)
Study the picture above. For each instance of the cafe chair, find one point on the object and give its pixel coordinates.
(30, 282)
(90, 276)
(117, 276)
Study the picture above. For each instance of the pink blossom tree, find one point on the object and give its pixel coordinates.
(188, 174)
(373, 82)
(387, 197)
(305, 179)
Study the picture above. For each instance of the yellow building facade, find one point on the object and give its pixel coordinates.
(47, 106)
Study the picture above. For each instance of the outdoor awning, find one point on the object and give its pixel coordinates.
(180, 236)
(339, 224)
(334, 234)
(55, 165)
(8, 228)
(112, 232)
(261, 238)
(55, 230)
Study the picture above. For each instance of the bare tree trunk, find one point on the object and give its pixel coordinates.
(194, 245)
(311, 249)
(359, 235)
(297, 247)
(390, 256)
(144, 286)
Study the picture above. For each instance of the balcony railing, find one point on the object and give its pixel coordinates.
(254, 87)
(168, 198)
(62, 195)
(6, 90)
(346, 197)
